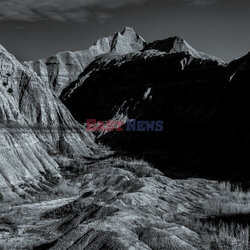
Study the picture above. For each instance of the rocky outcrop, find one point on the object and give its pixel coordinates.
(177, 87)
(34, 126)
(128, 204)
(63, 68)
(201, 101)
(172, 45)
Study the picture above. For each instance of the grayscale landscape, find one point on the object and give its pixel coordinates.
(65, 187)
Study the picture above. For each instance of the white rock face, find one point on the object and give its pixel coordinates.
(63, 68)
(33, 122)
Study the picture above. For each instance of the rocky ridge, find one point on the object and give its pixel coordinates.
(143, 78)
(177, 45)
(191, 93)
(158, 49)
(63, 68)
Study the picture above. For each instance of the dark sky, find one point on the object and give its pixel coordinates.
(31, 31)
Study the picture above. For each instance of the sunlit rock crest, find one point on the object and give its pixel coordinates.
(65, 67)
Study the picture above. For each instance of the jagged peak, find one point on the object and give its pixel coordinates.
(127, 41)
(128, 29)
(117, 34)
(128, 33)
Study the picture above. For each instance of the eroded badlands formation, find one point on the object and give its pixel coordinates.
(112, 202)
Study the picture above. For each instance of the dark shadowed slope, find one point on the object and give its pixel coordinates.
(201, 101)
(178, 88)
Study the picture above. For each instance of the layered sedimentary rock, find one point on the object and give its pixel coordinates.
(128, 204)
(63, 68)
(123, 203)
(34, 126)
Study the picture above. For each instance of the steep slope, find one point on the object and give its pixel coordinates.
(172, 45)
(178, 88)
(34, 123)
(65, 67)
(234, 105)
(232, 121)
(202, 102)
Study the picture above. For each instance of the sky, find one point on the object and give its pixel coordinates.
(33, 29)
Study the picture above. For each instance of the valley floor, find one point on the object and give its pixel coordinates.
(123, 203)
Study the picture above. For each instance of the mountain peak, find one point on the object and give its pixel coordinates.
(127, 41)
(128, 29)
(170, 45)
(176, 38)
(64, 68)
(177, 44)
